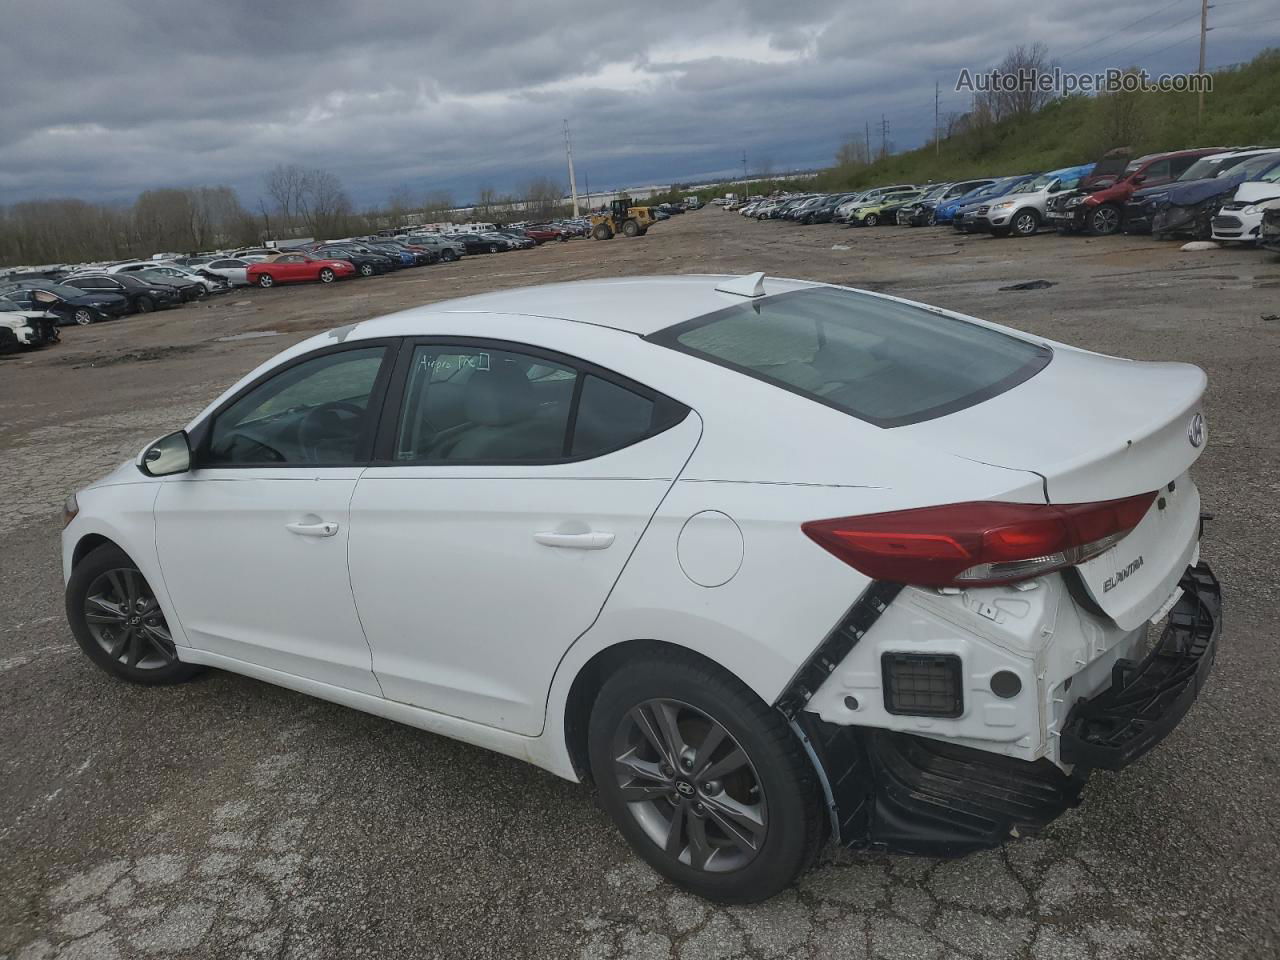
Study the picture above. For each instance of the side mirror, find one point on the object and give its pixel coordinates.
(168, 455)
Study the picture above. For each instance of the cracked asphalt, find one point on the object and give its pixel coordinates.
(227, 818)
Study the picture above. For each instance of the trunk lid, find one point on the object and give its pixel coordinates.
(1095, 427)
(1100, 428)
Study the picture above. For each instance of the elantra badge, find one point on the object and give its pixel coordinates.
(1195, 432)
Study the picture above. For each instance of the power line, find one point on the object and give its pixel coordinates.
(1121, 30)
(1140, 40)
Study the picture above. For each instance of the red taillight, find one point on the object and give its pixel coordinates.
(980, 543)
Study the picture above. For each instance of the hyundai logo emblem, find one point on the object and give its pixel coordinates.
(1195, 432)
(685, 787)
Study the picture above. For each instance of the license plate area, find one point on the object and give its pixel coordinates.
(1133, 580)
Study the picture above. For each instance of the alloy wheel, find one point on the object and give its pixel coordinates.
(83, 317)
(690, 786)
(1106, 220)
(125, 619)
(1025, 225)
(265, 280)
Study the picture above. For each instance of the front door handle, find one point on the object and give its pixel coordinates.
(594, 540)
(325, 528)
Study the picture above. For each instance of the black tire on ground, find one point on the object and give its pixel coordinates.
(448, 256)
(327, 275)
(631, 228)
(795, 825)
(493, 248)
(602, 231)
(151, 667)
(201, 292)
(1025, 223)
(83, 316)
(366, 269)
(265, 280)
(146, 305)
(870, 220)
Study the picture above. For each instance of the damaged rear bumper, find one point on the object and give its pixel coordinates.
(906, 793)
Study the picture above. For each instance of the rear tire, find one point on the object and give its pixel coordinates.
(765, 792)
(448, 256)
(631, 228)
(145, 305)
(83, 317)
(366, 269)
(118, 623)
(265, 280)
(870, 220)
(493, 248)
(602, 231)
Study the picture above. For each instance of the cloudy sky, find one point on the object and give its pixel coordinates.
(103, 98)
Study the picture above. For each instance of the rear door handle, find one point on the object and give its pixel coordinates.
(595, 540)
(325, 528)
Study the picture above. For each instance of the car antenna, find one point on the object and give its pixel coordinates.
(752, 285)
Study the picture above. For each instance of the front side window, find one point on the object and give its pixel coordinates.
(1159, 170)
(314, 412)
(885, 362)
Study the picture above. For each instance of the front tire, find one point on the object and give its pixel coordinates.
(1105, 220)
(493, 248)
(631, 228)
(1025, 223)
(82, 316)
(870, 220)
(117, 620)
(145, 305)
(366, 269)
(327, 275)
(705, 781)
(448, 256)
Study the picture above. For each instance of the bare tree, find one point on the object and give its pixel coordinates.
(437, 204)
(852, 153)
(1122, 118)
(486, 201)
(1026, 97)
(286, 186)
(399, 204)
(542, 196)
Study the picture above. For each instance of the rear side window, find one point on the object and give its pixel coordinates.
(884, 362)
(609, 417)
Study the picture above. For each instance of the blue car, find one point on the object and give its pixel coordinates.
(955, 211)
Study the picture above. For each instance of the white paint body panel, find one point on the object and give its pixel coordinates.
(435, 584)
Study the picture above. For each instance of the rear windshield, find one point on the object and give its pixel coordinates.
(884, 362)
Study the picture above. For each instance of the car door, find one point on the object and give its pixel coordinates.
(253, 540)
(291, 268)
(511, 488)
(1161, 171)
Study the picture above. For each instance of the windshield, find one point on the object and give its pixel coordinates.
(1256, 165)
(879, 360)
(1034, 185)
(1207, 167)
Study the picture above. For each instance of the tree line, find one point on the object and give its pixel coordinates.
(295, 201)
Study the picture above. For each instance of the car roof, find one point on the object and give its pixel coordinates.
(639, 305)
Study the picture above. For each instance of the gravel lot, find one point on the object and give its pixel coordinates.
(227, 818)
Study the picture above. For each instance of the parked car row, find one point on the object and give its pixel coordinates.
(1201, 193)
(33, 306)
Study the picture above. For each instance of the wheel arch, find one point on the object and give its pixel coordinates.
(593, 674)
(87, 544)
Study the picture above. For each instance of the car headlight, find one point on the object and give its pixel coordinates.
(1254, 208)
(70, 509)
(1003, 206)
(156, 293)
(1075, 201)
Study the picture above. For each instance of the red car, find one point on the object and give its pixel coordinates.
(545, 233)
(297, 268)
(1100, 211)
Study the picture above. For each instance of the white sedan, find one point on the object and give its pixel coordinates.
(231, 269)
(769, 561)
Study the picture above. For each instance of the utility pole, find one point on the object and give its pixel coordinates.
(573, 183)
(868, 123)
(937, 131)
(746, 187)
(1204, 29)
(588, 176)
(884, 136)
